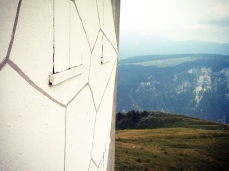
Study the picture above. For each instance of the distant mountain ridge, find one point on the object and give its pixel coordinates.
(142, 45)
(192, 84)
(145, 58)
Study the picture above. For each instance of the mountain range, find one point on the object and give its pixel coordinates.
(139, 45)
(196, 85)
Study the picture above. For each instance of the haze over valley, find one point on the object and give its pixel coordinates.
(139, 45)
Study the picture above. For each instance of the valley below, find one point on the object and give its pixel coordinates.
(196, 85)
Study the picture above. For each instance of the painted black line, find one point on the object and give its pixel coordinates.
(3, 63)
(12, 37)
(93, 144)
(22, 74)
(82, 24)
(92, 96)
(77, 93)
(107, 85)
(93, 129)
(98, 12)
(95, 41)
(109, 41)
(92, 162)
(91, 56)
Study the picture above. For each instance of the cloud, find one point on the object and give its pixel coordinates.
(218, 16)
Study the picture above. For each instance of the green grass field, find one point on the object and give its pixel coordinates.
(168, 62)
(193, 145)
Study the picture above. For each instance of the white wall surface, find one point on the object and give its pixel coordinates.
(32, 127)
(56, 127)
(8, 10)
(81, 115)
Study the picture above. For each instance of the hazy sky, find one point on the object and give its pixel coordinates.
(205, 20)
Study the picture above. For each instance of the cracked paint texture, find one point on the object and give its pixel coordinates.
(67, 126)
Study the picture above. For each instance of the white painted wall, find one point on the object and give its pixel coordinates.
(64, 126)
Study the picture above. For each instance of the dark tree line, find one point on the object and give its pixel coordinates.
(129, 119)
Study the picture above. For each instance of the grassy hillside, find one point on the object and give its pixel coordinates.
(177, 143)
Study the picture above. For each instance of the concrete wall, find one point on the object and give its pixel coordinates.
(58, 65)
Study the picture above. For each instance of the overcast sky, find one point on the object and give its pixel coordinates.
(205, 20)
